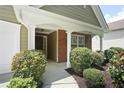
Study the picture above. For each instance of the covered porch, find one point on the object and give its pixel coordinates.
(43, 18)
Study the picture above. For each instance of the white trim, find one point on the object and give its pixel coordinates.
(27, 8)
(100, 17)
(19, 42)
(57, 46)
(31, 14)
(46, 44)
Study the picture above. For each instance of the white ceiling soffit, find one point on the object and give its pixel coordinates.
(49, 26)
(37, 6)
(44, 31)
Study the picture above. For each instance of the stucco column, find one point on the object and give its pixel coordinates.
(68, 48)
(101, 43)
(31, 37)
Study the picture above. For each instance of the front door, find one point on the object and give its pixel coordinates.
(41, 43)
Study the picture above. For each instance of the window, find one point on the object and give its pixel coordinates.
(77, 41)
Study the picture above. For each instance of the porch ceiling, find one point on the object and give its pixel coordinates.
(77, 12)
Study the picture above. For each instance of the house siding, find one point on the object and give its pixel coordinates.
(77, 12)
(113, 39)
(23, 38)
(7, 14)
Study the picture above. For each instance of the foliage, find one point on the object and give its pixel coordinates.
(22, 83)
(109, 53)
(16, 61)
(116, 70)
(117, 49)
(80, 59)
(94, 78)
(97, 59)
(31, 64)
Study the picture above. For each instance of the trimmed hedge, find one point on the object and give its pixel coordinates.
(80, 59)
(22, 83)
(97, 59)
(94, 78)
(32, 63)
(16, 61)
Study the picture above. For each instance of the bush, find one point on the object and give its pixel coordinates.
(97, 59)
(117, 49)
(116, 70)
(31, 64)
(94, 78)
(109, 53)
(80, 59)
(16, 61)
(22, 83)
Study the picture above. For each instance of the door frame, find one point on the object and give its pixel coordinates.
(45, 37)
(43, 42)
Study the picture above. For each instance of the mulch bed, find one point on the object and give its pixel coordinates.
(81, 81)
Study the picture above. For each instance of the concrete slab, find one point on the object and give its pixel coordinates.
(56, 77)
(4, 85)
(4, 79)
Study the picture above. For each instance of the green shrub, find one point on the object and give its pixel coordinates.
(109, 53)
(16, 61)
(118, 49)
(94, 78)
(22, 83)
(31, 64)
(116, 70)
(80, 59)
(97, 59)
(101, 52)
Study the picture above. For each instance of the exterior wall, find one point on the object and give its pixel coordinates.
(23, 38)
(115, 39)
(9, 44)
(7, 13)
(62, 46)
(51, 46)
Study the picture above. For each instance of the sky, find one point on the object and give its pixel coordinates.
(112, 12)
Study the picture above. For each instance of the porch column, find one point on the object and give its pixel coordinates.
(101, 43)
(68, 48)
(31, 37)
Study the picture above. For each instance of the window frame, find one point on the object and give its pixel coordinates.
(77, 36)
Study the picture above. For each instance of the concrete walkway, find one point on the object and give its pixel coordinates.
(4, 78)
(56, 77)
